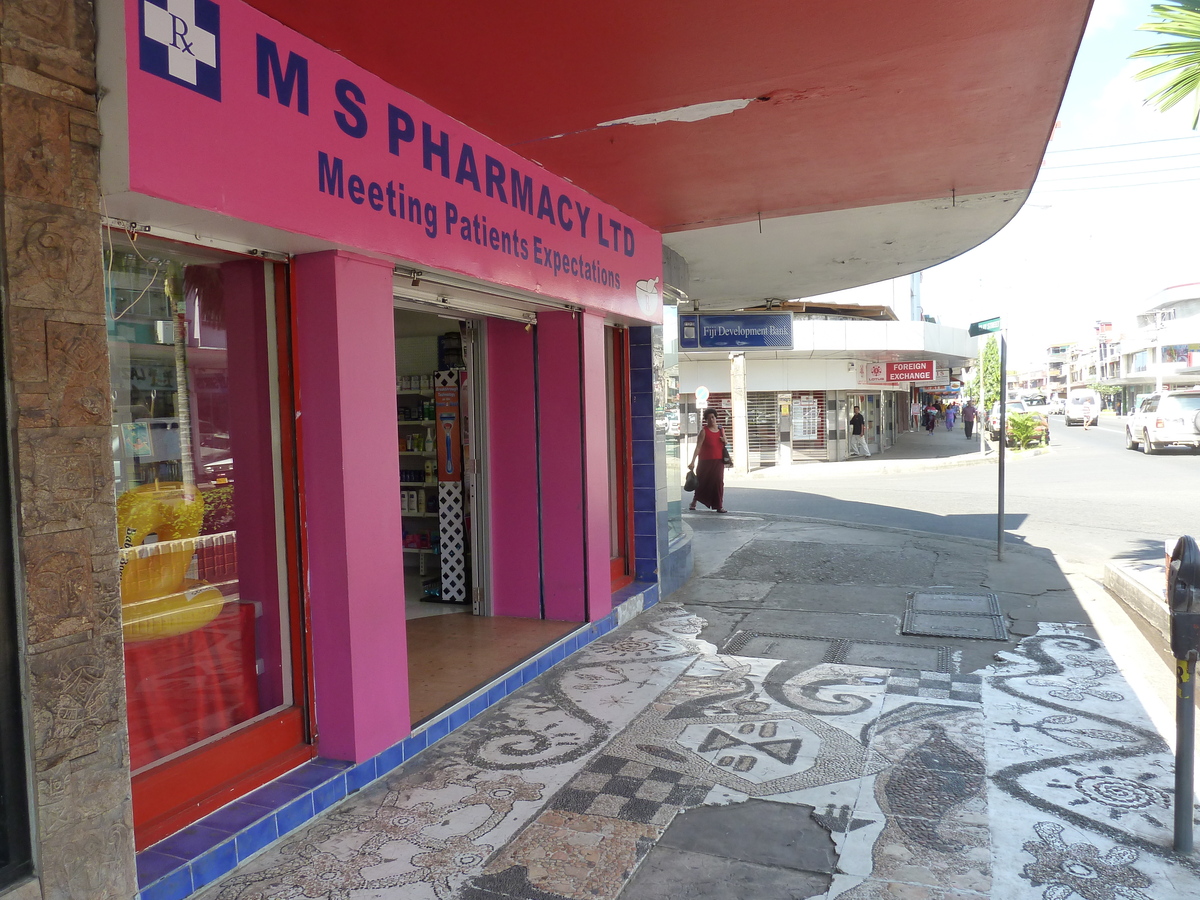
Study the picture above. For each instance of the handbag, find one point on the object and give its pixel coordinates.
(725, 457)
(689, 482)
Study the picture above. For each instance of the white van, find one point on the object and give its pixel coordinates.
(1080, 400)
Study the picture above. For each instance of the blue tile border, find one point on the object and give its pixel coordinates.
(179, 865)
(254, 838)
(174, 886)
(213, 864)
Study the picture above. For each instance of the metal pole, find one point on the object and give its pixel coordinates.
(1003, 444)
(1185, 750)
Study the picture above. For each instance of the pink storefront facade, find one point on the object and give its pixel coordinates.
(350, 210)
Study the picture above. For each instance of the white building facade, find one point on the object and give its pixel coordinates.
(1163, 350)
(787, 405)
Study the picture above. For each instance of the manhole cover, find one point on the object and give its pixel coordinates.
(812, 649)
(972, 604)
(954, 615)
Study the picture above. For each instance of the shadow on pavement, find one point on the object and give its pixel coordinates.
(800, 503)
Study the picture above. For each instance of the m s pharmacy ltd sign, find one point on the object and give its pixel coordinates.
(232, 112)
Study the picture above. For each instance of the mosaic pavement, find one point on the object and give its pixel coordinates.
(648, 765)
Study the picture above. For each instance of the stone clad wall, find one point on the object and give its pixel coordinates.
(57, 367)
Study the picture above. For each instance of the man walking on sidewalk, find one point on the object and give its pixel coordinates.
(858, 443)
(968, 415)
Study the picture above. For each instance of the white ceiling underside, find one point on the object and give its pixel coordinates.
(733, 266)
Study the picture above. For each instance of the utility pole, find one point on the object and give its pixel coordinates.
(1003, 445)
(991, 326)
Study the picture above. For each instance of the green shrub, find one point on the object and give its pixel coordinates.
(1024, 429)
(218, 509)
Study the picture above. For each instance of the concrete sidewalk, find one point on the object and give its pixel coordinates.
(770, 733)
(912, 450)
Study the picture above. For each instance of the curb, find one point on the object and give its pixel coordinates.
(1134, 588)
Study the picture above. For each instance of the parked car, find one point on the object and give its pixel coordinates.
(1042, 429)
(1164, 418)
(1079, 403)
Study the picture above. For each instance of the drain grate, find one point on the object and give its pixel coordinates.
(813, 649)
(954, 614)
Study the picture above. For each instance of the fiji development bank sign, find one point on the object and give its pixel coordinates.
(232, 112)
(742, 331)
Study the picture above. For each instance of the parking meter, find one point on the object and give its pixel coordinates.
(1183, 597)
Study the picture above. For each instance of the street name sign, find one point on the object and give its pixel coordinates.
(986, 326)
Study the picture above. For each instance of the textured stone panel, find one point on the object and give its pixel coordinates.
(58, 573)
(106, 582)
(83, 34)
(79, 378)
(37, 141)
(27, 346)
(77, 694)
(93, 859)
(65, 480)
(55, 260)
(57, 357)
(85, 171)
(85, 788)
(59, 63)
(49, 21)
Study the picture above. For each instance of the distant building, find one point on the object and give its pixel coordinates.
(1057, 370)
(1162, 350)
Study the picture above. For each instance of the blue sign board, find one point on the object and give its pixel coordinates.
(736, 331)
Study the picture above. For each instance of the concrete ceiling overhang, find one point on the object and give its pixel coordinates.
(785, 148)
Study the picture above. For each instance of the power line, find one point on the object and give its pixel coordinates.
(1059, 178)
(1131, 144)
(1108, 187)
(1116, 162)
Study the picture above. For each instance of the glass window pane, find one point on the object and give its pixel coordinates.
(614, 488)
(196, 459)
(667, 392)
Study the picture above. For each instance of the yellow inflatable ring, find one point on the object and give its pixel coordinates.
(157, 598)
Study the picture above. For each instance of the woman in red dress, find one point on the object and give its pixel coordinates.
(710, 473)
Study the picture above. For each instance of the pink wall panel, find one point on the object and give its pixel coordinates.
(250, 419)
(346, 363)
(512, 461)
(561, 434)
(595, 441)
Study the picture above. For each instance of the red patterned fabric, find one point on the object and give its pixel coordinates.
(183, 689)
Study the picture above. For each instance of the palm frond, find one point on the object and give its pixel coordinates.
(1180, 19)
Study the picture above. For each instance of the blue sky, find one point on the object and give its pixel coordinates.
(1113, 219)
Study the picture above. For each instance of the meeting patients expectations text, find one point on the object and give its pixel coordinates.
(490, 178)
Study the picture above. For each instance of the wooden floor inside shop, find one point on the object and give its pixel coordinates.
(451, 655)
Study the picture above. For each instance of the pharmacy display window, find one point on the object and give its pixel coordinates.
(203, 460)
(620, 460)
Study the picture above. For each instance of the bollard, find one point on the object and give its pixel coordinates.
(1183, 596)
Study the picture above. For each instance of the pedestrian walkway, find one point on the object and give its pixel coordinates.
(771, 733)
(911, 450)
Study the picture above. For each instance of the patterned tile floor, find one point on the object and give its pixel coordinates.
(649, 766)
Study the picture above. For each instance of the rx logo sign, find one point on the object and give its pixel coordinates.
(180, 40)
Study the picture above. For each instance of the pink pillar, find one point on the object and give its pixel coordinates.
(512, 461)
(346, 361)
(595, 449)
(560, 404)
